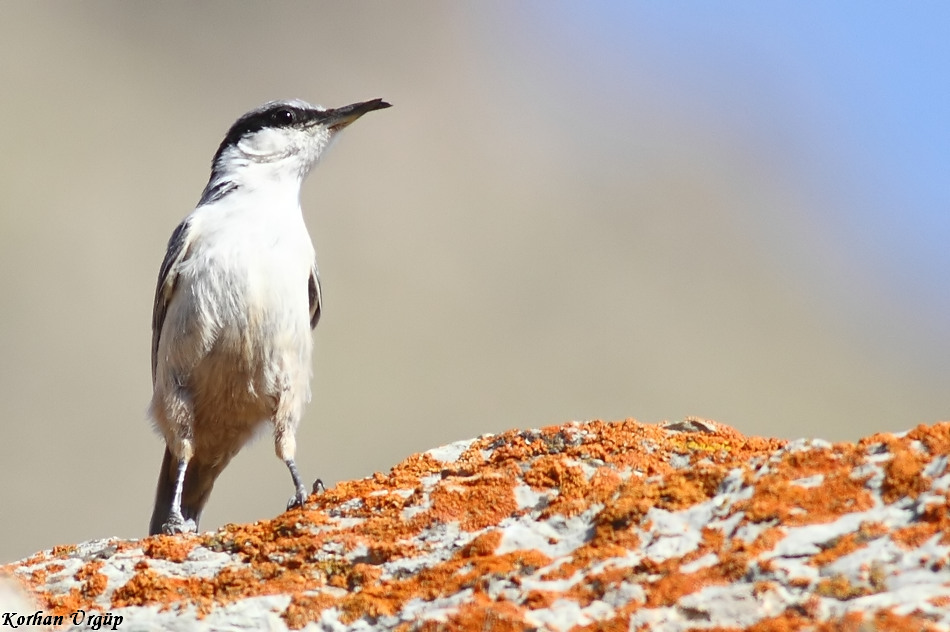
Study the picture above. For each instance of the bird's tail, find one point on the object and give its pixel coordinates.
(199, 480)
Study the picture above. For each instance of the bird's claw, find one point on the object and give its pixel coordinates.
(298, 499)
(177, 524)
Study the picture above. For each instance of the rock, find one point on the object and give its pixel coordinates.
(683, 526)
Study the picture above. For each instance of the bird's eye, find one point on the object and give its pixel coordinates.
(283, 116)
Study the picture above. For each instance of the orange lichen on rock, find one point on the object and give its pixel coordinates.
(306, 608)
(588, 526)
(93, 582)
(904, 473)
(171, 548)
(474, 502)
(783, 494)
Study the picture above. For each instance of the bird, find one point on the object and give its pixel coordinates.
(237, 298)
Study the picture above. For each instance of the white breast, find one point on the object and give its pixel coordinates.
(237, 330)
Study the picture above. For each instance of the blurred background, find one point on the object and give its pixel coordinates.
(572, 211)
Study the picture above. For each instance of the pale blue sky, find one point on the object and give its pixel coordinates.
(871, 80)
(850, 102)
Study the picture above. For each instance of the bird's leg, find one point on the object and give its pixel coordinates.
(176, 522)
(286, 446)
(300, 496)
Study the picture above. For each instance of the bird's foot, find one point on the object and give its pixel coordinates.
(298, 499)
(177, 524)
(318, 487)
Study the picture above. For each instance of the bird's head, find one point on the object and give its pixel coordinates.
(281, 140)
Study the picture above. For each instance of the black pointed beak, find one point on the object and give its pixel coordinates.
(338, 118)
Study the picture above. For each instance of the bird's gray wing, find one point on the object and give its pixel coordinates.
(167, 277)
(316, 297)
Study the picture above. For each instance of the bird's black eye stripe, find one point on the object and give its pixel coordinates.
(276, 115)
